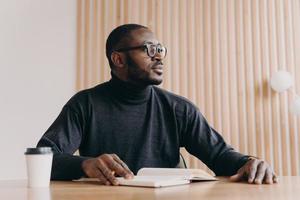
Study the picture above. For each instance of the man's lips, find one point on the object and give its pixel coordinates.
(158, 69)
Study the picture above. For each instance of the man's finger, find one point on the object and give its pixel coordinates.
(117, 159)
(260, 173)
(237, 177)
(129, 173)
(109, 174)
(268, 176)
(252, 170)
(275, 178)
(101, 177)
(117, 168)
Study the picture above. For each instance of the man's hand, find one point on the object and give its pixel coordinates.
(255, 171)
(105, 167)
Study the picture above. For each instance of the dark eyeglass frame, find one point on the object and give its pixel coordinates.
(147, 46)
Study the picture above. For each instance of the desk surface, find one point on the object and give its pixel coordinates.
(288, 188)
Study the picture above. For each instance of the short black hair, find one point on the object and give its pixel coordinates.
(118, 37)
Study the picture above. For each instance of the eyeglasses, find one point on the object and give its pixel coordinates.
(152, 49)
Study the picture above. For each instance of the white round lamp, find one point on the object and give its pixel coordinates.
(281, 81)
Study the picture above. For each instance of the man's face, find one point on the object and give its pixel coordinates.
(142, 69)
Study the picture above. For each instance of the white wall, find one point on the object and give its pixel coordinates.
(37, 74)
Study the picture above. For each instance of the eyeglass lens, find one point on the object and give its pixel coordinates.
(153, 49)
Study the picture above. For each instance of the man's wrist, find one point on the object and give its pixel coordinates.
(252, 158)
(244, 160)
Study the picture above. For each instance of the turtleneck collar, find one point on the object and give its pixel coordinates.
(129, 92)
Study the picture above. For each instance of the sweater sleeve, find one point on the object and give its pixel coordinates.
(208, 145)
(64, 137)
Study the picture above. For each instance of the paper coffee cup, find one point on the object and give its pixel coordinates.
(39, 162)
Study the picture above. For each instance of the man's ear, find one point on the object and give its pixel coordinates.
(118, 59)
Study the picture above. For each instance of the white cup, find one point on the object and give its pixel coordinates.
(39, 162)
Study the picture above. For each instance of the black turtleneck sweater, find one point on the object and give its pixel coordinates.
(145, 127)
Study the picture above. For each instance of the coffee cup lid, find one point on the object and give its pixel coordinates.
(38, 150)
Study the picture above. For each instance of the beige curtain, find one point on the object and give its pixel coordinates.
(221, 54)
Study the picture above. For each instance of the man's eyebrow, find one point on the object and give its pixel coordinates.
(149, 42)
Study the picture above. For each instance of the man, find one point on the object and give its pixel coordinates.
(127, 123)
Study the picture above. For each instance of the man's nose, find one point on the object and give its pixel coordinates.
(157, 57)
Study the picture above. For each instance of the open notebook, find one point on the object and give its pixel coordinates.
(161, 177)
